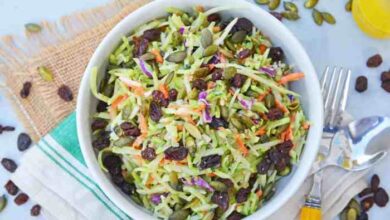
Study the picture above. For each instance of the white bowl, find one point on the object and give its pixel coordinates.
(308, 88)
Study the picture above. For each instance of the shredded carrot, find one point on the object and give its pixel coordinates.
(306, 126)
(216, 29)
(261, 131)
(139, 159)
(139, 91)
(179, 127)
(119, 100)
(211, 66)
(281, 106)
(143, 124)
(149, 181)
(287, 134)
(112, 112)
(190, 120)
(211, 174)
(262, 48)
(261, 97)
(259, 193)
(241, 145)
(291, 77)
(210, 85)
(222, 58)
(231, 91)
(263, 116)
(158, 56)
(164, 89)
(201, 107)
(199, 8)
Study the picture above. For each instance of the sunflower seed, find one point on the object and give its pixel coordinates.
(310, 3)
(273, 4)
(290, 15)
(317, 17)
(201, 72)
(238, 37)
(206, 38)
(210, 50)
(169, 78)
(328, 18)
(177, 57)
(289, 6)
(45, 73)
(33, 28)
(3, 202)
(262, 2)
(348, 6)
(148, 56)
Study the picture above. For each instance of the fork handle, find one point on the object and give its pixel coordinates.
(310, 213)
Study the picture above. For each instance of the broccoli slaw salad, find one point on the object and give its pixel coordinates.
(195, 119)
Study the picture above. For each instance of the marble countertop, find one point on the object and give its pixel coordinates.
(342, 45)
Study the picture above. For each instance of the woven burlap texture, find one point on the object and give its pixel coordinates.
(64, 47)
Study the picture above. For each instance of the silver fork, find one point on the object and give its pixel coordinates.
(334, 87)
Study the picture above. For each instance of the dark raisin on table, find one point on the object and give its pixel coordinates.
(11, 188)
(65, 93)
(277, 15)
(385, 76)
(381, 198)
(24, 142)
(365, 192)
(21, 199)
(363, 216)
(176, 153)
(7, 128)
(9, 164)
(25, 92)
(35, 210)
(386, 86)
(374, 61)
(375, 181)
(367, 203)
(361, 84)
(148, 154)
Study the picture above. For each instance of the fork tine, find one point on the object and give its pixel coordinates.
(324, 78)
(335, 100)
(329, 90)
(338, 82)
(344, 95)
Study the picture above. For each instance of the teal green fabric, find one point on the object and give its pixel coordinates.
(66, 135)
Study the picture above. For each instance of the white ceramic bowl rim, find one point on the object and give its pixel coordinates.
(294, 47)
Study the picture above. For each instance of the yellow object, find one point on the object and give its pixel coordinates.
(373, 17)
(309, 213)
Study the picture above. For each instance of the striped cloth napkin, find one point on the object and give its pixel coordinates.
(54, 174)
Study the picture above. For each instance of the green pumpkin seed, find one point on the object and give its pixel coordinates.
(210, 50)
(317, 17)
(193, 94)
(218, 186)
(269, 101)
(328, 18)
(354, 205)
(289, 6)
(226, 53)
(348, 6)
(343, 215)
(181, 214)
(229, 72)
(177, 57)
(285, 172)
(174, 10)
(247, 121)
(206, 38)
(169, 78)
(33, 28)
(123, 141)
(194, 132)
(148, 56)
(224, 112)
(262, 2)
(310, 3)
(293, 106)
(236, 123)
(238, 37)
(273, 4)
(45, 73)
(351, 214)
(290, 15)
(230, 46)
(190, 141)
(3, 202)
(201, 72)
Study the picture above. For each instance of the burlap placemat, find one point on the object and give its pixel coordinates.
(65, 47)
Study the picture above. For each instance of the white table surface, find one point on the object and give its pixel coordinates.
(342, 45)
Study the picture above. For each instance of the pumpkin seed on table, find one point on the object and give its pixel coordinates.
(328, 18)
(3, 202)
(210, 50)
(289, 6)
(45, 73)
(177, 57)
(317, 17)
(273, 4)
(206, 38)
(310, 3)
(33, 28)
(262, 2)
(348, 6)
(290, 15)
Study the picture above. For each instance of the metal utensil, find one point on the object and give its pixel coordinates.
(334, 87)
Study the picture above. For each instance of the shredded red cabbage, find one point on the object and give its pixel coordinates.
(181, 30)
(247, 104)
(269, 71)
(198, 181)
(144, 69)
(206, 116)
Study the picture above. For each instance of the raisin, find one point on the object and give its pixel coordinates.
(285, 147)
(218, 122)
(155, 111)
(244, 54)
(158, 97)
(152, 34)
(276, 54)
(235, 216)
(367, 203)
(375, 182)
(172, 94)
(242, 194)
(281, 165)
(35, 210)
(214, 18)
(98, 124)
(252, 180)
(25, 92)
(102, 141)
(210, 161)
(148, 153)
(275, 155)
(7, 128)
(112, 161)
(140, 46)
(9, 164)
(130, 130)
(381, 198)
(386, 85)
(263, 167)
(277, 15)
(238, 80)
(221, 199)
(176, 153)
(24, 141)
(374, 61)
(11, 188)
(216, 75)
(117, 179)
(385, 76)
(361, 84)
(228, 183)
(243, 24)
(275, 114)
(199, 84)
(101, 106)
(365, 192)
(65, 93)
(21, 199)
(128, 188)
(363, 216)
